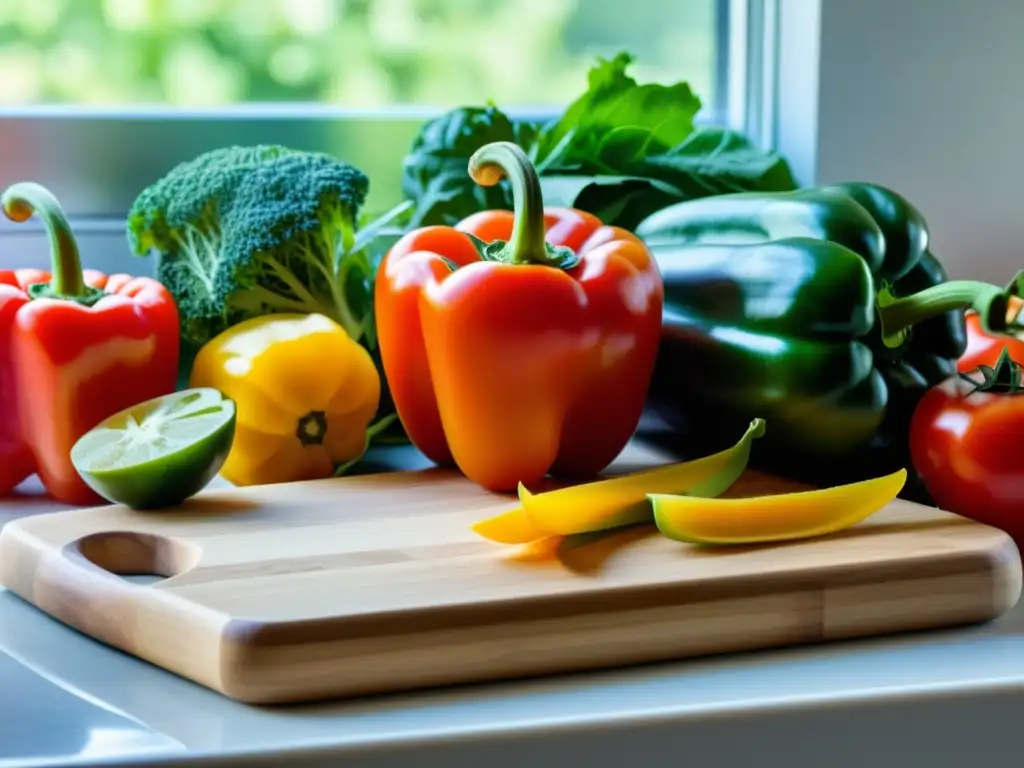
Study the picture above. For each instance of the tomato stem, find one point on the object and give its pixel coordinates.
(1004, 378)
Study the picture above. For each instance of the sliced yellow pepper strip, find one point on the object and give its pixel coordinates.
(781, 517)
(617, 501)
(512, 527)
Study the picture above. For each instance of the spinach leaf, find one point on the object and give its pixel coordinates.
(656, 116)
(435, 175)
(621, 200)
(621, 151)
(716, 161)
(624, 184)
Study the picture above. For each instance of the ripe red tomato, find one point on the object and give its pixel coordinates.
(967, 449)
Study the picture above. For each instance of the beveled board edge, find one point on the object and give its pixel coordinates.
(108, 608)
(267, 664)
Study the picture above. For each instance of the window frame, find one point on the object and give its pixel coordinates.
(84, 128)
(97, 159)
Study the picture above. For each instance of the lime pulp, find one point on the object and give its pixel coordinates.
(160, 452)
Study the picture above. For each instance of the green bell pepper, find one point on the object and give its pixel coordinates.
(821, 311)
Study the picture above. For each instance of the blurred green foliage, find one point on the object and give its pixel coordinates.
(351, 53)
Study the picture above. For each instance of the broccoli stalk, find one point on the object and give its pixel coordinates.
(305, 271)
(246, 231)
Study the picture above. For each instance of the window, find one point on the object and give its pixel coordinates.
(103, 96)
(354, 53)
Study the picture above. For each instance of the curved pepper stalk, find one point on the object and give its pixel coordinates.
(896, 316)
(527, 245)
(19, 202)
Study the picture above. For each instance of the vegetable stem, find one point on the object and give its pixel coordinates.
(345, 316)
(487, 166)
(382, 423)
(189, 247)
(23, 199)
(897, 315)
(1004, 378)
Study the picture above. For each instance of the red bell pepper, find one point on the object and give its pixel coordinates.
(519, 344)
(985, 348)
(75, 347)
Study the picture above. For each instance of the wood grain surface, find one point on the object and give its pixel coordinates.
(305, 591)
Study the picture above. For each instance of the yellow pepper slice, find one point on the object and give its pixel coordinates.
(305, 394)
(617, 501)
(780, 517)
(512, 527)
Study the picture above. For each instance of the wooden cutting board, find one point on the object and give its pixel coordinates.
(376, 583)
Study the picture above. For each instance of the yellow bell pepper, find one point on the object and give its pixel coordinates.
(305, 394)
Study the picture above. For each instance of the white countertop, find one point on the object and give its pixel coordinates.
(947, 698)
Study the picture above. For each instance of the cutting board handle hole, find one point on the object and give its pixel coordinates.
(137, 555)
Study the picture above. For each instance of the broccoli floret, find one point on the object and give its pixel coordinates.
(293, 222)
(245, 231)
(191, 197)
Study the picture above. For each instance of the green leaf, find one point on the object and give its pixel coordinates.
(631, 184)
(567, 189)
(716, 161)
(628, 204)
(435, 173)
(374, 226)
(659, 116)
(453, 195)
(622, 200)
(622, 150)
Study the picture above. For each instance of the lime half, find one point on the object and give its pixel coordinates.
(160, 452)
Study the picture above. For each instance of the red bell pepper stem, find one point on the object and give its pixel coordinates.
(527, 244)
(19, 202)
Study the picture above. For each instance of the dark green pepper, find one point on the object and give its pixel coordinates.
(821, 311)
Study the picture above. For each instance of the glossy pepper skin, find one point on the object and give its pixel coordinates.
(985, 348)
(75, 348)
(519, 345)
(304, 394)
(820, 310)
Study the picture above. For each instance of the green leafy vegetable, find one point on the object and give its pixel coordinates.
(616, 111)
(622, 150)
(710, 161)
(435, 172)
